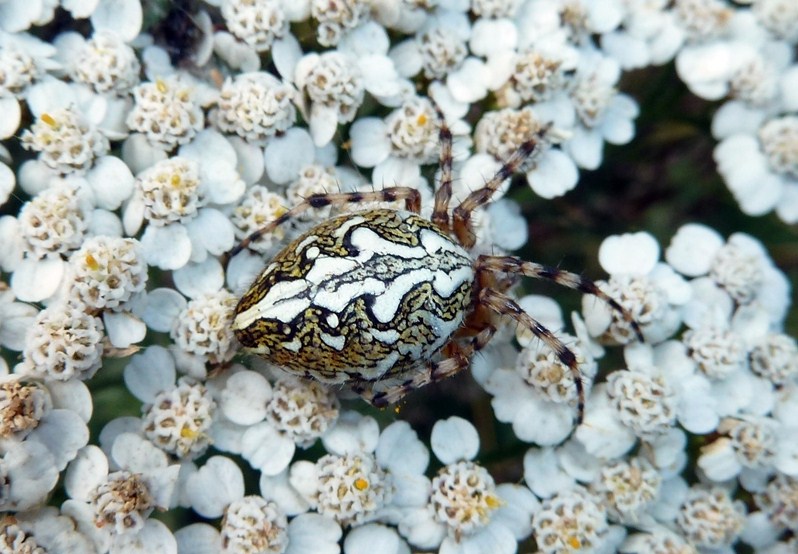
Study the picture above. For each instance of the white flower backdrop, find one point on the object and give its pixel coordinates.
(140, 141)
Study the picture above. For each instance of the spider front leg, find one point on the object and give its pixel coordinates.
(411, 197)
(462, 214)
(440, 211)
(456, 358)
(506, 306)
(513, 265)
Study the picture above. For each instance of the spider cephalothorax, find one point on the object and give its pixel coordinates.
(386, 301)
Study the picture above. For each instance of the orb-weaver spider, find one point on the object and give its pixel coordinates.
(385, 301)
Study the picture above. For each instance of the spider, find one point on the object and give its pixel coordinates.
(385, 301)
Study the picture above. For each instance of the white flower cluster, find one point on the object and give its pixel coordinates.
(127, 176)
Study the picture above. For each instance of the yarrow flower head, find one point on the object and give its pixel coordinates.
(53, 222)
(258, 207)
(255, 106)
(463, 498)
(709, 518)
(64, 343)
(570, 521)
(253, 524)
(122, 502)
(313, 179)
(106, 272)
(780, 17)
(703, 19)
(500, 133)
(645, 403)
(351, 488)
(538, 74)
(333, 83)
(412, 130)
(22, 406)
(778, 501)
(302, 410)
(65, 141)
(749, 443)
(166, 112)
(779, 140)
(258, 23)
(335, 17)
(171, 191)
(179, 419)
(17, 71)
(203, 327)
(717, 352)
(442, 50)
(107, 64)
(629, 488)
(775, 357)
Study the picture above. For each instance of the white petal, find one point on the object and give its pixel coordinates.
(693, 248)
(211, 231)
(352, 432)
(154, 537)
(135, 453)
(63, 432)
(266, 449)
(286, 53)
(244, 397)
(162, 307)
(7, 182)
(194, 280)
(629, 254)
(123, 328)
(10, 108)
(380, 77)
(370, 142)
(104, 222)
(313, 533)
(407, 58)
(86, 472)
(323, 123)
(286, 155)
(491, 35)
(215, 485)
(37, 280)
(454, 439)
(250, 160)
(150, 373)
(166, 247)
(470, 82)
(121, 17)
(50, 94)
(400, 449)
(199, 538)
(586, 147)
(278, 489)
(372, 538)
(736, 117)
(718, 460)
(18, 15)
(554, 175)
(139, 154)
(543, 474)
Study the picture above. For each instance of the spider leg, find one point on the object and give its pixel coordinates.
(480, 197)
(410, 195)
(457, 357)
(440, 212)
(513, 265)
(504, 305)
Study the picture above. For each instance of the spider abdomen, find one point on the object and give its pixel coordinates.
(357, 298)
